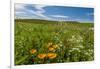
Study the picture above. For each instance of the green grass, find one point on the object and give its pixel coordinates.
(75, 41)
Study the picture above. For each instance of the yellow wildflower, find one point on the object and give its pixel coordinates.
(33, 51)
(55, 46)
(51, 55)
(51, 49)
(41, 56)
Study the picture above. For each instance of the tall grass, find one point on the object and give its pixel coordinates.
(42, 42)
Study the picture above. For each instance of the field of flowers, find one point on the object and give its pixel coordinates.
(43, 42)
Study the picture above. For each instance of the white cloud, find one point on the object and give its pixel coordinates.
(40, 8)
(40, 11)
(59, 16)
(20, 7)
(22, 12)
(83, 20)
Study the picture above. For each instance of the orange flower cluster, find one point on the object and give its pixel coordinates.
(51, 55)
(52, 47)
(48, 55)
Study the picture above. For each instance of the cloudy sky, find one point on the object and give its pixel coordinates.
(62, 13)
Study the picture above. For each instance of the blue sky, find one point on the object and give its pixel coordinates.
(61, 13)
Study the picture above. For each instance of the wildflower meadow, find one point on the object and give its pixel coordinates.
(43, 41)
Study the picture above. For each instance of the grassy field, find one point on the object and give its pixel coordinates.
(43, 42)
